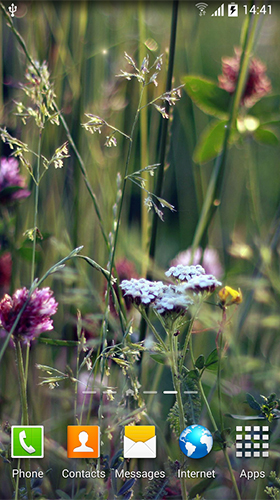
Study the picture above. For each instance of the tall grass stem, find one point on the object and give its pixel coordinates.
(211, 416)
(65, 126)
(144, 151)
(164, 127)
(36, 204)
(216, 179)
(162, 150)
(173, 346)
(24, 404)
(115, 237)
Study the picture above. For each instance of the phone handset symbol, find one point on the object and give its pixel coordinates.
(22, 437)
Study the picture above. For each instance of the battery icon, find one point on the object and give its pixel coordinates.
(233, 9)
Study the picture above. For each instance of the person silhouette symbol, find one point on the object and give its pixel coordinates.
(83, 438)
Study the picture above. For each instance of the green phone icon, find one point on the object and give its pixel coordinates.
(27, 441)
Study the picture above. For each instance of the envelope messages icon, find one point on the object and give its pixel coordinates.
(139, 441)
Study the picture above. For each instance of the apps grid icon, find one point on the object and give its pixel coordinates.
(252, 441)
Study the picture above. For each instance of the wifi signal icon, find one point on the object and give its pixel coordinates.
(201, 7)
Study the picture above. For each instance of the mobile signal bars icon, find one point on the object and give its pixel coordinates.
(202, 8)
(220, 11)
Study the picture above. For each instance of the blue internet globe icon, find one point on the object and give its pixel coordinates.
(196, 441)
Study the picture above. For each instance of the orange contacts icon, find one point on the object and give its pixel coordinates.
(83, 441)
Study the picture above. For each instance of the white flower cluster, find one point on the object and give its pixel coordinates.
(202, 283)
(142, 291)
(185, 273)
(163, 298)
(172, 300)
(194, 278)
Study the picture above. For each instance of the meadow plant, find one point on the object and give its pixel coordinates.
(27, 313)
(175, 306)
(12, 185)
(170, 307)
(146, 75)
(257, 85)
(209, 258)
(35, 318)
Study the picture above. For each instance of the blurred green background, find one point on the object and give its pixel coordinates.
(83, 44)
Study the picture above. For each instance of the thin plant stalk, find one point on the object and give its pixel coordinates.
(173, 345)
(188, 337)
(76, 385)
(8, 338)
(24, 406)
(216, 179)
(33, 262)
(156, 334)
(231, 474)
(27, 363)
(257, 497)
(36, 207)
(65, 126)
(164, 129)
(113, 248)
(35, 285)
(115, 239)
(16, 484)
(163, 144)
(144, 152)
(253, 191)
(125, 180)
(225, 452)
(220, 353)
(202, 390)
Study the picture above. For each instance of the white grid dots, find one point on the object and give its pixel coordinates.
(252, 441)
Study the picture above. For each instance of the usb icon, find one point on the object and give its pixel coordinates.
(233, 9)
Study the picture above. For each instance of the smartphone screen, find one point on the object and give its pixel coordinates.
(139, 250)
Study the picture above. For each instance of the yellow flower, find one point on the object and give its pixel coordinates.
(230, 296)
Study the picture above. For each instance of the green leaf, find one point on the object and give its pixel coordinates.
(174, 419)
(244, 417)
(225, 434)
(156, 488)
(26, 252)
(210, 142)
(191, 403)
(207, 96)
(199, 488)
(211, 362)
(217, 437)
(9, 191)
(126, 486)
(192, 374)
(117, 460)
(63, 495)
(200, 362)
(265, 108)
(159, 358)
(93, 264)
(217, 446)
(252, 402)
(57, 342)
(81, 494)
(265, 136)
